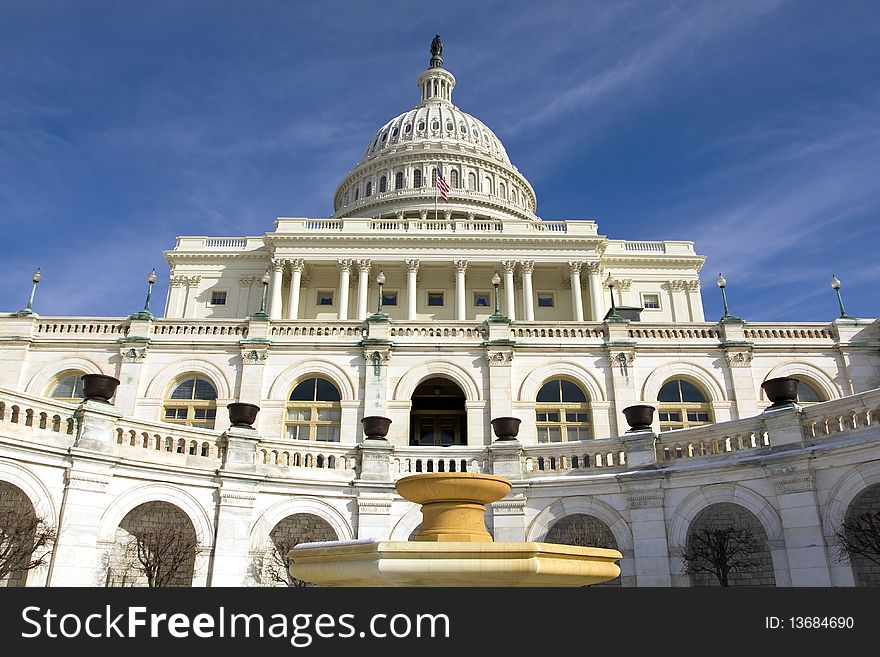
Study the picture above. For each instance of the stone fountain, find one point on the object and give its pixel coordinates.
(453, 547)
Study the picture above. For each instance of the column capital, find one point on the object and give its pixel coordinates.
(247, 281)
(296, 264)
(277, 265)
(593, 267)
(344, 264)
(412, 265)
(364, 265)
(574, 266)
(508, 266)
(460, 265)
(624, 283)
(527, 266)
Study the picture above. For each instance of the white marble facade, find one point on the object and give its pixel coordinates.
(85, 465)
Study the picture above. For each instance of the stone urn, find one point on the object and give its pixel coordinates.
(781, 391)
(506, 428)
(376, 427)
(242, 415)
(99, 387)
(639, 417)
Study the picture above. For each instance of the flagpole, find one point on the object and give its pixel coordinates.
(436, 189)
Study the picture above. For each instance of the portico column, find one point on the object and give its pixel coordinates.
(412, 270)
(595, 292)
(363, 287)
(275, 297)
(509, 292)
(527, 267)
(576, 299)
(296, 269)
(460, 303)
(344, 275)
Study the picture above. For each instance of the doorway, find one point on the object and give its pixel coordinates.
(438, 417)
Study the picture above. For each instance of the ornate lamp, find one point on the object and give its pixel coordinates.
(612, 316)
(145, 313)
(28, 310)
(379, 315)
(261, 313)
(497, 316)
(722, 283)
(835, 283)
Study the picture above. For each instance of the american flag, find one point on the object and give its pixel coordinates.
(442, 187)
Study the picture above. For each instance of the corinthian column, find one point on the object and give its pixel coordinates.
(509, 292)
(527, 267)
(412, 270)
(576, 299)
(344, 275)
(275, 298)
(296, 270)
(460, 302)
(595, 292)
(363, 287)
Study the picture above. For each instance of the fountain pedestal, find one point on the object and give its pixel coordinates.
(453, 547)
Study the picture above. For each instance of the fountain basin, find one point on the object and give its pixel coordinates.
(413, 563)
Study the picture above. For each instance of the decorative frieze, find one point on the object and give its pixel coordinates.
(132, 354)
(791, 478)
(739, 358)
(509, 507)
(374, 507)
(251, 356)
(645, 501)
(499, 357)
(88, 481)
(247, 281)
(237, 498)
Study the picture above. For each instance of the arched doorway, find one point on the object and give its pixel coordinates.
(438, 417)
(293, 530)
(586, 531)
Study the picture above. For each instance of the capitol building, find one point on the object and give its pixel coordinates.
(435, 296)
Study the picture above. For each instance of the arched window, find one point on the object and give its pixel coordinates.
(502, 190)
(472, 181)
(421, 126)
(682, 405)
(407, 128)
(398, 180)
(807, 393)
(435, 125)
(383, 184)
(395, 132)
(357, 193)
(193, 402)
(369, 188)
(68, 387)
(453, 178)
(487, 185)
(450, 126)
(562, 412)
(417, 178)
(314, 411)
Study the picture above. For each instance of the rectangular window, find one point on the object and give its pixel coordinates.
(481, 300)
(389, 297)
(218, 298)
(435, 298)
(546, 300)
(325, 298)
(651, 301)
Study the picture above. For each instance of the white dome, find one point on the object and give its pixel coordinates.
(396, 173)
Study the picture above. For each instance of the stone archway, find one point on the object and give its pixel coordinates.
(438, 416)
(862, 516)
(728, 514)
(19, 526)
(585, 531)
(287, 533)
(155, 545)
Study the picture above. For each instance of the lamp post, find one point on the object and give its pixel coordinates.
(379, 316)
(497, 316)
(145, 313)
(261, 313)
(28, 310)
(722, 283)
(835, 283)
(612, 316)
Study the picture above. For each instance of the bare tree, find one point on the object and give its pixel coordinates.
(859, 535)
(722, 550)
(164, 554)
(276, 565)
(26, 540)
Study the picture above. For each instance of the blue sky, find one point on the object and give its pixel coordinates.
(749, 127)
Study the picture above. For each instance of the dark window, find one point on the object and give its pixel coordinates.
(389, 298)
(435, 298)
(383, 184)
(398, 180)
(325, 298)
(417, 178)
(369, 189)
(545, 300)
(218, 298)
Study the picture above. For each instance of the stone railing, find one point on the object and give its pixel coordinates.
(75, 328)
(225, 242)
(27, 416)
(412, 460)
(849, 414)
(713, 440)
(583, 456)
(309, 330)
(552, 331)
(333, 459)
(701, 332)
(207, 329)
(163, 442)
(782, 332)
(452, 331)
